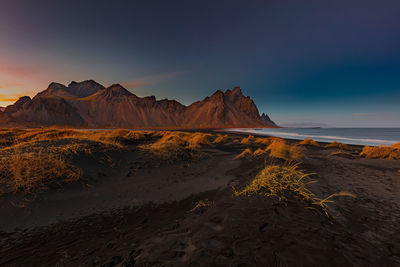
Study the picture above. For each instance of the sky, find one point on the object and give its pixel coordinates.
(334, 62)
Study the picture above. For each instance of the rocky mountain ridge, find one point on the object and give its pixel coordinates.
(90, 104)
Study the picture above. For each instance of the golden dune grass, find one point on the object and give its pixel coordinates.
(202, 205)
(280, 149)
(247, 140)
(70, 141)
(341, 146)
(309, 142)
(343, 154)
(276, 181)
(169, 146)
(221, 139)
(30, 160)
(178, 145)
(34, 172)
(382, 152)
(263, 140)
(197, 140)
(246, 152)
(259, 152)
(281, 181)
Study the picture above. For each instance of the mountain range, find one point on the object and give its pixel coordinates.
(90, 104)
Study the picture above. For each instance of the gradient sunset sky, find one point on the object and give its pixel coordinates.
(336, 62)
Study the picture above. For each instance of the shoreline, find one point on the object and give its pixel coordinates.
(324, 138)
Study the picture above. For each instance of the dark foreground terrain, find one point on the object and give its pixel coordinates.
(143, 211)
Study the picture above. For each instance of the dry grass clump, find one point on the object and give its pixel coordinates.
(34, 172)
(246, 152)
(295, 153)
(381, 152)
(341, 146)
(178, 145)
(170, 146)
(263, 140)
(324, 202)
(202, 205)
(281, 181)
(342, 154)
(31, 160)
(308, 142)
(276, 181)
(221, 139)
(280, 149)
(43, 135)
(118, 138)
(196, 140)
(247, 140)
(70, 141)
(108, 137)
(259, 152)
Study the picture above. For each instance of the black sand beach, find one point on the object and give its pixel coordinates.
(140, 211)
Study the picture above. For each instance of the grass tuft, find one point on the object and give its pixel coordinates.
(342, 154)
(247, 140)
(276, 181)
(245, 153)
(202, 205)
(32, 160)
(341, 146)
(259, 152)
(282, 181)
(263, 140)
(308, 142)
(34, 172)
(197, 140)
(381, 152)
(221, 139)
(280, 149)
(178, 145)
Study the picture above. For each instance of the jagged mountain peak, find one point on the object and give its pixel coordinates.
(235, 91)
(55, 85)
(115, 90)
(54, 89)
(266, 119)
(84, 88)
(85, 82)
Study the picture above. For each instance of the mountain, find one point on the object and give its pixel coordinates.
(265, 118)
(74, 89)
(89, 104)
(85, 88)
(229, 109)
(43, 111)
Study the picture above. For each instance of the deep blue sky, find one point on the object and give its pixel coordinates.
(336, 62)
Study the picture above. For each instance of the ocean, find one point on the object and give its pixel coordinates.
(355, 136)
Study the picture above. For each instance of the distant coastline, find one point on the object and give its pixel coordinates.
(353, 136)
